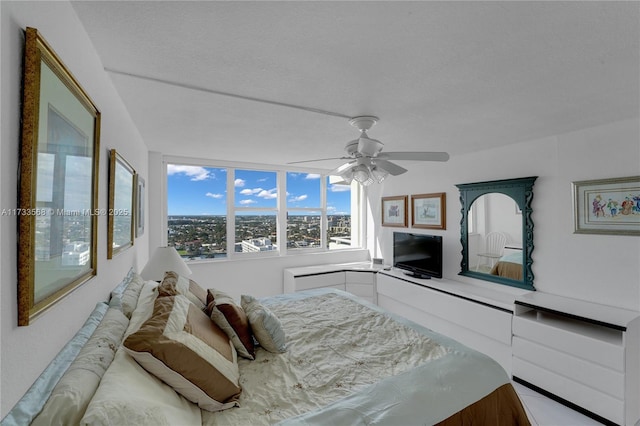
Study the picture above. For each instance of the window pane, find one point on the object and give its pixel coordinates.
(338, 216)
(303, 190)
(303, 229)
(197, 211)
(254, 188)
(255, 232)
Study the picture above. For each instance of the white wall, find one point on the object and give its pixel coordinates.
(26, 351)
(598, 268)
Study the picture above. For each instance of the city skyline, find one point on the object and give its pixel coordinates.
(202, 191)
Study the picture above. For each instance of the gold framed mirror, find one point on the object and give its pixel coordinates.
(58, 182)
(120, 228)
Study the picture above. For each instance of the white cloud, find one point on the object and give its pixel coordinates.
(212, 195)
(247, 202)
(196, 173)
(239, 183)
(298, 198)
(339, 188)
(312, 176)
(268, 194)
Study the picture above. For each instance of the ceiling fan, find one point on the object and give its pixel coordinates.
(366, 161)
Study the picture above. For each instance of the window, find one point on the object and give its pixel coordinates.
(197, 211)
(340, 232)
(221, 212)
(255, 211)
(304, 211)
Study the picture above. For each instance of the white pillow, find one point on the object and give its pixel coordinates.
(266, 327)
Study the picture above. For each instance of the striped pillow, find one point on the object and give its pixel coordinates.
(174, 284)
(181, 346)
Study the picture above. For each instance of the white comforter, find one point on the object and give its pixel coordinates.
(347, 362)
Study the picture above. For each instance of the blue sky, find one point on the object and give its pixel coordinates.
(196, 190)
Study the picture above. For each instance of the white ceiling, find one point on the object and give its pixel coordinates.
(442, 76)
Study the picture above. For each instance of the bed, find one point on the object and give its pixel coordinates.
(328, 358)
(509, 266)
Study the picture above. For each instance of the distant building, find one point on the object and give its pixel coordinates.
(76, 254)
(257, 244)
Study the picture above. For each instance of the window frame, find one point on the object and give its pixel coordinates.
(281, 209)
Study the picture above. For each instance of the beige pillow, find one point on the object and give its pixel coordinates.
(71, 395)
(231, 318)
(131, 294)
(265, 325)
(174, 284)
(181, 346)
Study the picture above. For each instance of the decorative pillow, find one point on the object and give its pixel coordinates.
(232, 319)
(76, 387)
(181, 346)
(131, 294)
(174, 284)
(144, 309)
(125, 295)
(265, 325)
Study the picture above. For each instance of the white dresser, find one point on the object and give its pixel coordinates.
(476, 316)
(358, 278)
(584, 354)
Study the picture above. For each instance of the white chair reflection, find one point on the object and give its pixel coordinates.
(493, 249)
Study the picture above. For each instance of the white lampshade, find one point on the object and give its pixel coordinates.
(164, 259)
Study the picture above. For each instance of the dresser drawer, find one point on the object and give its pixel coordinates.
(362, 290)
(601, 346)
(359, 277)
(593, 400)
(333, 280)
(577, 369)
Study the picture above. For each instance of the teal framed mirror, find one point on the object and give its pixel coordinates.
(496, 231)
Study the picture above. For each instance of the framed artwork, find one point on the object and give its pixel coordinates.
(58, 182)
(120, 228)
(429, 211)
(607, 206)
(140, 194)
(394, 211)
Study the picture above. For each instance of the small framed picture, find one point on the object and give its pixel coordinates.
(429, 211)
(607, 206)
(394, 211)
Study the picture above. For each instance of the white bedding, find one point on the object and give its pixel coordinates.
(336, 347)
(346, 362)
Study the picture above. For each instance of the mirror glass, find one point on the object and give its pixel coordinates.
(497, 231)
(494, 235)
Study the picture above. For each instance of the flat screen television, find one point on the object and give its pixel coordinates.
(419, 255)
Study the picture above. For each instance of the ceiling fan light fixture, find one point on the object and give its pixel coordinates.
(378, 174)
(362, 174)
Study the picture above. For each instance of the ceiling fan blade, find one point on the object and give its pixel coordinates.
(319, 159)
(345, 167)
(415, 156)
(390, 167)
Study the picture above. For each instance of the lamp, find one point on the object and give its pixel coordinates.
(164, 259)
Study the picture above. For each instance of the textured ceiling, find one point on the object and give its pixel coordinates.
(442, 76)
